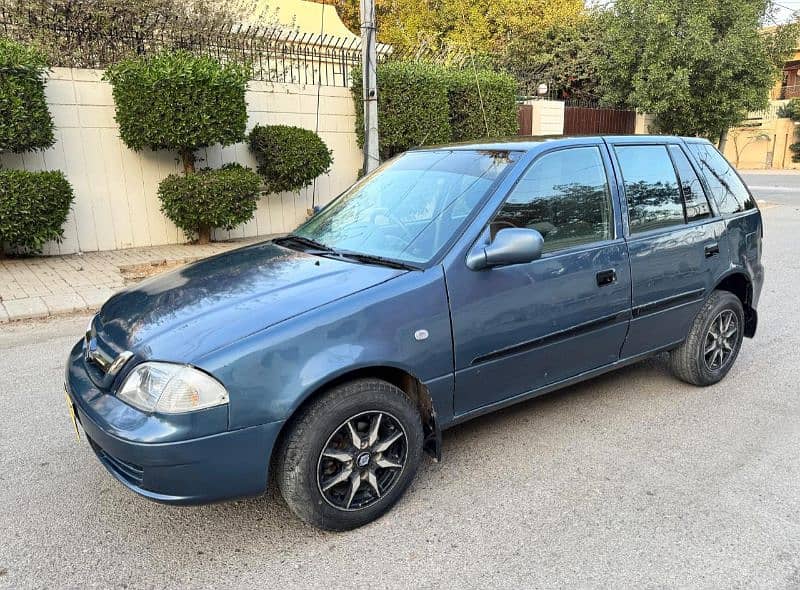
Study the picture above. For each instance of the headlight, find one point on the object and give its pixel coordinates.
(168, 388)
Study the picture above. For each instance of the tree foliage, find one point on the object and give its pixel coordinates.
(463, 24)
(25, 121)
(563, 56)
(289, 158)
(33, 207)
(86, 33)
(178, 101)
(697, 65)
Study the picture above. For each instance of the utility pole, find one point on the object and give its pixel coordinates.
(369, 62)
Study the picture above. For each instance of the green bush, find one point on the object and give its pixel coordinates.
(25, 122)
(289, 158)
(33, 207)
(208, 198)
(412, 106)
(498, 96)
(179, 101)
(424, 104)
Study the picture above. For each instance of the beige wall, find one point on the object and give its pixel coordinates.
(763, 146)
(116, 204)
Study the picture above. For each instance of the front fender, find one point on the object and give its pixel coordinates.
(269, 374)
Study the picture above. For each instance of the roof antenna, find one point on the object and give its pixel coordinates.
(477, 80)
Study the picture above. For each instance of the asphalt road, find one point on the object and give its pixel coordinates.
(775, 186)
(630, 480)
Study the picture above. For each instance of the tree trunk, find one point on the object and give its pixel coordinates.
(187, 158)
(204, 235)
(723, 141)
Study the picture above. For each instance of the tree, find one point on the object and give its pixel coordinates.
(563, 56)
(464, 25)
(178, 101)
(181, 102)
(698, 65)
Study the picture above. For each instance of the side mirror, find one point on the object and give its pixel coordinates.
(511, 245)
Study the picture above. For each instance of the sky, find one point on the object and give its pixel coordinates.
(785, 9)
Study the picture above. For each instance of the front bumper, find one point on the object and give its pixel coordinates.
(197, 470)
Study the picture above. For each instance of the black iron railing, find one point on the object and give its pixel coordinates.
(275, 54)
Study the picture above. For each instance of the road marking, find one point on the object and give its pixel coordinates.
(780, 189)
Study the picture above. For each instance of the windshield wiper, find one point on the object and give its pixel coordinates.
(372, 259)
(303, 241)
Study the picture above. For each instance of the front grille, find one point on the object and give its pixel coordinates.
(130, 472)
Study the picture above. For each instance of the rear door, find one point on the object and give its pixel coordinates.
(743, 229)
(522, 327)
(673, 241)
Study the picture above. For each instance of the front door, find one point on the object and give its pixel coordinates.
(519, 328)
(674, 244)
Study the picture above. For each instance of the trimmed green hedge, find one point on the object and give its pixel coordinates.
(289, 158)
(412, 106)
(25, 122)
(208, 198)
(33, 207)
(179, 101)
(498, 95)
(423, 104)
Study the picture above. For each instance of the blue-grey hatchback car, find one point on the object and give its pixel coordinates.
(451, 282)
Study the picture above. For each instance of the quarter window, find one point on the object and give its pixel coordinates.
(693, 195)
(651, 188)
(564, 195)
(725, 185)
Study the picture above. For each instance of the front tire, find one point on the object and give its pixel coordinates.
(713, 343)
(349, 456)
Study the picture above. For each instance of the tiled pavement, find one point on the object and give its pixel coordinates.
(52, 285)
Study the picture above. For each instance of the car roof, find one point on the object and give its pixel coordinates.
(526, 143)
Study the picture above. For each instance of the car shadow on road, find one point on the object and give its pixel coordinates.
(266, 520)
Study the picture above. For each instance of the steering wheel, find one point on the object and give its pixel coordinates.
(385, 211)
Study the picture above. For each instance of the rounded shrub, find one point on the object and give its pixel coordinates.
(289, 158)
(497, 96)
(178, 101)
(33, 208)
(209, 198)
(25, 121)
(412, 106)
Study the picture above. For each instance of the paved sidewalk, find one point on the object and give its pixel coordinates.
(52, 285)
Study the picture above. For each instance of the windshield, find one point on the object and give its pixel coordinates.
(410, 207)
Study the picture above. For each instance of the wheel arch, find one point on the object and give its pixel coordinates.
(401, 378)
(738, 283)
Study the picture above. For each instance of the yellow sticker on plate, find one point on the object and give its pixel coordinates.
(72, 415)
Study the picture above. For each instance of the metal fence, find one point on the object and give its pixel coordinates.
(275, 54)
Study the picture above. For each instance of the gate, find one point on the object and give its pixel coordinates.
(590, 120)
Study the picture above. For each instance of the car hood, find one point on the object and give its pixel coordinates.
(184, 314)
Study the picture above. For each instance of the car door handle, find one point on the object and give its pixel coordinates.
(712, 250)
(606, 277)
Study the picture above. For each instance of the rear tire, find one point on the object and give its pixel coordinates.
(713, 343)
(349, 456)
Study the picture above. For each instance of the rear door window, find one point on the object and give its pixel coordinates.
(728, 190)
(651, 187)
(694, 197)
